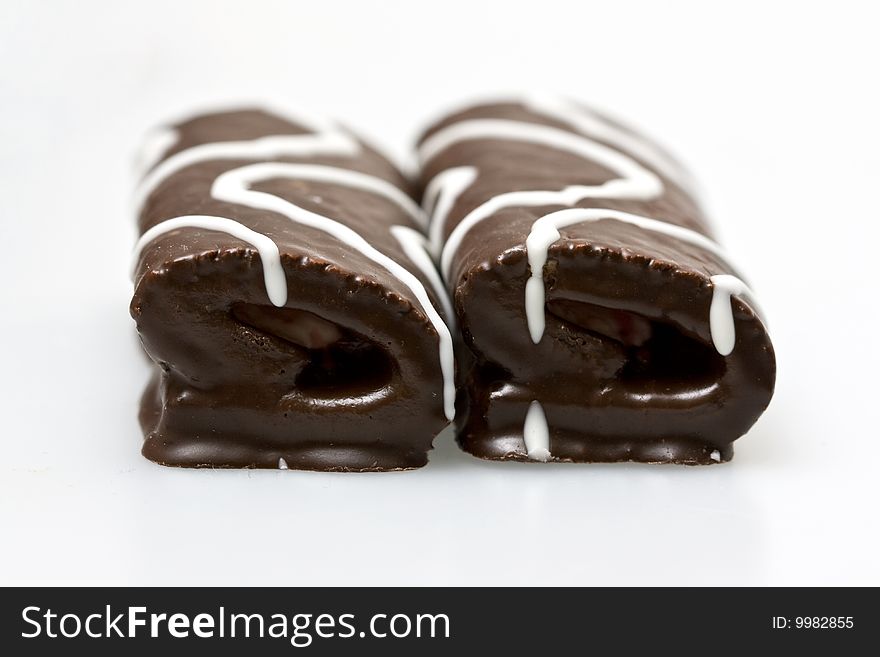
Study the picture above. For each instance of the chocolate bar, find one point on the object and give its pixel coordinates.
(283, 290)
(604, 322)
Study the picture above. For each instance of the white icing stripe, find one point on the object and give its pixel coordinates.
(590, 124)
(233, 187)
(634, 182)
(415, 246)
(536, 433)
(545, 231)
(155, 144)
(344, 177)
(322, 138)
(440, 195)
(264, 148)
(640, 182)
(721, 310)
(273, 272)
(157, 141)
(587, 122)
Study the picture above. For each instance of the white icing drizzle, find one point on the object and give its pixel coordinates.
(536, 433)
(415, 246)
(440, 195)
(587, 122)
(282, 464)
(273, 272)
(264, 148)
(634, 182)
(343, 177)
(153, 146)
(584, 120)
(545, 231)
(715, 456)
(721, 310)
(323, 139)
(234, 187)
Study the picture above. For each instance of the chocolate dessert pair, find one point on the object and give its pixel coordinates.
(556, 293)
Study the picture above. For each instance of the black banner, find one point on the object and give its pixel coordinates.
(432, 621)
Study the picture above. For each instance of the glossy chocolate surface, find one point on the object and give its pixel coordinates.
(626, 369)
(345, 376)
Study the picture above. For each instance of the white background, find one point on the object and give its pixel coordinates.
(774, 106)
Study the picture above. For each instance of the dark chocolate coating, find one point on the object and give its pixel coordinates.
(607, 396)
(232, 387)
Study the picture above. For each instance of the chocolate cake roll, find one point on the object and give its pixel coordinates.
(603, 320)
(283, 289)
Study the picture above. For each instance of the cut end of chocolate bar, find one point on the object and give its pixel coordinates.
(658, 354)
(340, 363)
(299, 327)
(627, 328)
